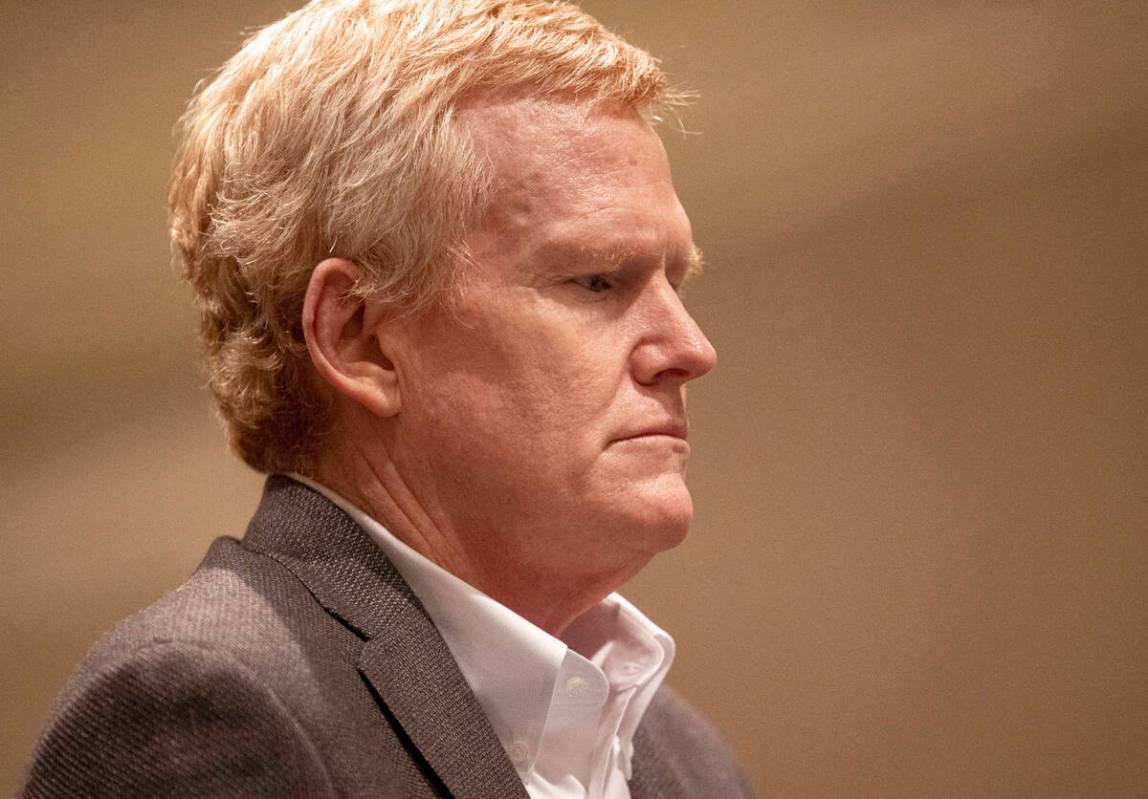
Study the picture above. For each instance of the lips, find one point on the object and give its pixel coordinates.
(671, 428)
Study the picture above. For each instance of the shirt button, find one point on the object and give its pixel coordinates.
(518, 753)
(576, 687)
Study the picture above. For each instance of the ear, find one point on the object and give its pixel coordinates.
(339, 329)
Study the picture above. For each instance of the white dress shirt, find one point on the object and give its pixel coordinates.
(565, 710)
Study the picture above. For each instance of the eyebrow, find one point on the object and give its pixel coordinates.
(605, 258)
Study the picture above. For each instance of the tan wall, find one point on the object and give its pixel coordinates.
(921, 466)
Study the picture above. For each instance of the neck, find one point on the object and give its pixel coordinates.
(483, 555)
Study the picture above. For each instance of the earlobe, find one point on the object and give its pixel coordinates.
(339, 328)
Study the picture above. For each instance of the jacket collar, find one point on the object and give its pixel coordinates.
(404, 658)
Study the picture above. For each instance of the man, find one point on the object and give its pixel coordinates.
(438, 257)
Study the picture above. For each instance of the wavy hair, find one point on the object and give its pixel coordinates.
(332, 133)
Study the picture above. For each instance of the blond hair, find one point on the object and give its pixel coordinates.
(332, 133)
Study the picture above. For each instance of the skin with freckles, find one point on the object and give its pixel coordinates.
(530, 434)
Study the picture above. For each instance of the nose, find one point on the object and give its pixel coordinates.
(673, 346)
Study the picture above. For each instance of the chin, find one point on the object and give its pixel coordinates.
(660, 518)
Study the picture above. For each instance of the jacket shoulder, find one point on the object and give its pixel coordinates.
(679, 753)
(183, 697)
(173, 718)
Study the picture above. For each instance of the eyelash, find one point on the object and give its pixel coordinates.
(595, 283)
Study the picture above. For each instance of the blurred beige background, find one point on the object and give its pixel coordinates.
(921, 466)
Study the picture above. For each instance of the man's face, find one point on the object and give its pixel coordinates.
(543, 408)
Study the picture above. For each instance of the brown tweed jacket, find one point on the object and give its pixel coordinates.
(297, 663)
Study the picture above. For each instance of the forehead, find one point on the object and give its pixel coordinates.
(502, 123)
(570, 172)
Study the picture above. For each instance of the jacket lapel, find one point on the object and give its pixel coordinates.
(404, 658)
(430, 699)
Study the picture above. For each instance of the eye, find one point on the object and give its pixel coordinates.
(596, 283)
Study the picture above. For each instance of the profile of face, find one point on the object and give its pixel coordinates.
(543, 414)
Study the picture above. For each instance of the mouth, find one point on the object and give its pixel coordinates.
(675, 430)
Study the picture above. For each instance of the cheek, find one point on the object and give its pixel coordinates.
(540, 413)
(524, 382)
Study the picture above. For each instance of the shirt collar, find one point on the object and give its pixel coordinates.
(518, 672)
